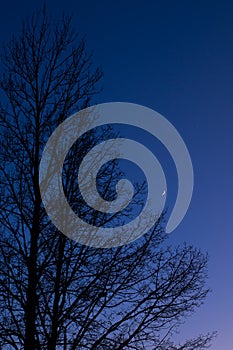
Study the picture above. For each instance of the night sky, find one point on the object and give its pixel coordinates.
(175, 57)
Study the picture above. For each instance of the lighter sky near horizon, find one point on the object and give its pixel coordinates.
(176, 58)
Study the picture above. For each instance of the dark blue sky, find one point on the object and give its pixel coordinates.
(177, 58)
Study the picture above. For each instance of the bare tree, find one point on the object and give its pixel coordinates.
(55, 293)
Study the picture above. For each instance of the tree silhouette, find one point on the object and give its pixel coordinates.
(54, 292)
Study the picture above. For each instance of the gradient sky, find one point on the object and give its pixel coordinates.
(175, 57)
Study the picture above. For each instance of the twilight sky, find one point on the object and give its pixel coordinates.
(175, 57)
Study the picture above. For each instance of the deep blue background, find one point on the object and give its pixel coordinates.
(175, 57)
